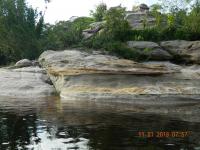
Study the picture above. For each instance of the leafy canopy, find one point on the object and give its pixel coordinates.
(19, 31)
(99, 12)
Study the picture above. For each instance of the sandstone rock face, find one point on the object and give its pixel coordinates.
(187, 51)
(93, 76)
(152, 50)
(23, 63)
(29, 82)
(139, 20)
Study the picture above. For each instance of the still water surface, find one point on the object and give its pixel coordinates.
(52, 124)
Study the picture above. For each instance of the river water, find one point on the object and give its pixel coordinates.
(54, 124)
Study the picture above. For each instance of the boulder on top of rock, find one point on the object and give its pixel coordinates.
(144, 8)
(150, 49)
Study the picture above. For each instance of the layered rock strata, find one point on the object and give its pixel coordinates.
(28, 82)
(79, 75)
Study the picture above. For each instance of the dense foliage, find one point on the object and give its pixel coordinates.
(179, 22)
(100, 12)
(23, 33)
(64, 34)
(20, 32)
(116, 31)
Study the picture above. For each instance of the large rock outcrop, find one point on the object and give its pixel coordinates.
(140, 20)
(140, 17)
(151, 50)
(179, 51)
(186, 51)
(28, 82)
(80, 75)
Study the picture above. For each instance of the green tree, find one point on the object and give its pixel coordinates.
(155, 10)
(116, 26)
(65, 34)
(192, 21)
(20, 31)
(99, 12)
(174, 5)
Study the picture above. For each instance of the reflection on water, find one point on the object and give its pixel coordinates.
(51, 124)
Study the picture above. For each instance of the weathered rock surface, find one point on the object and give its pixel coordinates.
(187, 51)
(24, 63)
(79, 75)
(28, 82)
(150, 49)
(140, 17)
(177, 50)
(140, 20)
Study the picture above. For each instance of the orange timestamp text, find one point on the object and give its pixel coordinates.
(164, 134)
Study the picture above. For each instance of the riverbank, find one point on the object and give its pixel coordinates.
(77, 75)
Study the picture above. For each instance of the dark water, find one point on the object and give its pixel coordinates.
(52, 124)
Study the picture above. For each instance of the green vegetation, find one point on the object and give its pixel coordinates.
(99, 13)
(23, 33)
(116, 31)
(64, 34)
(20, 33)
(177, 22)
